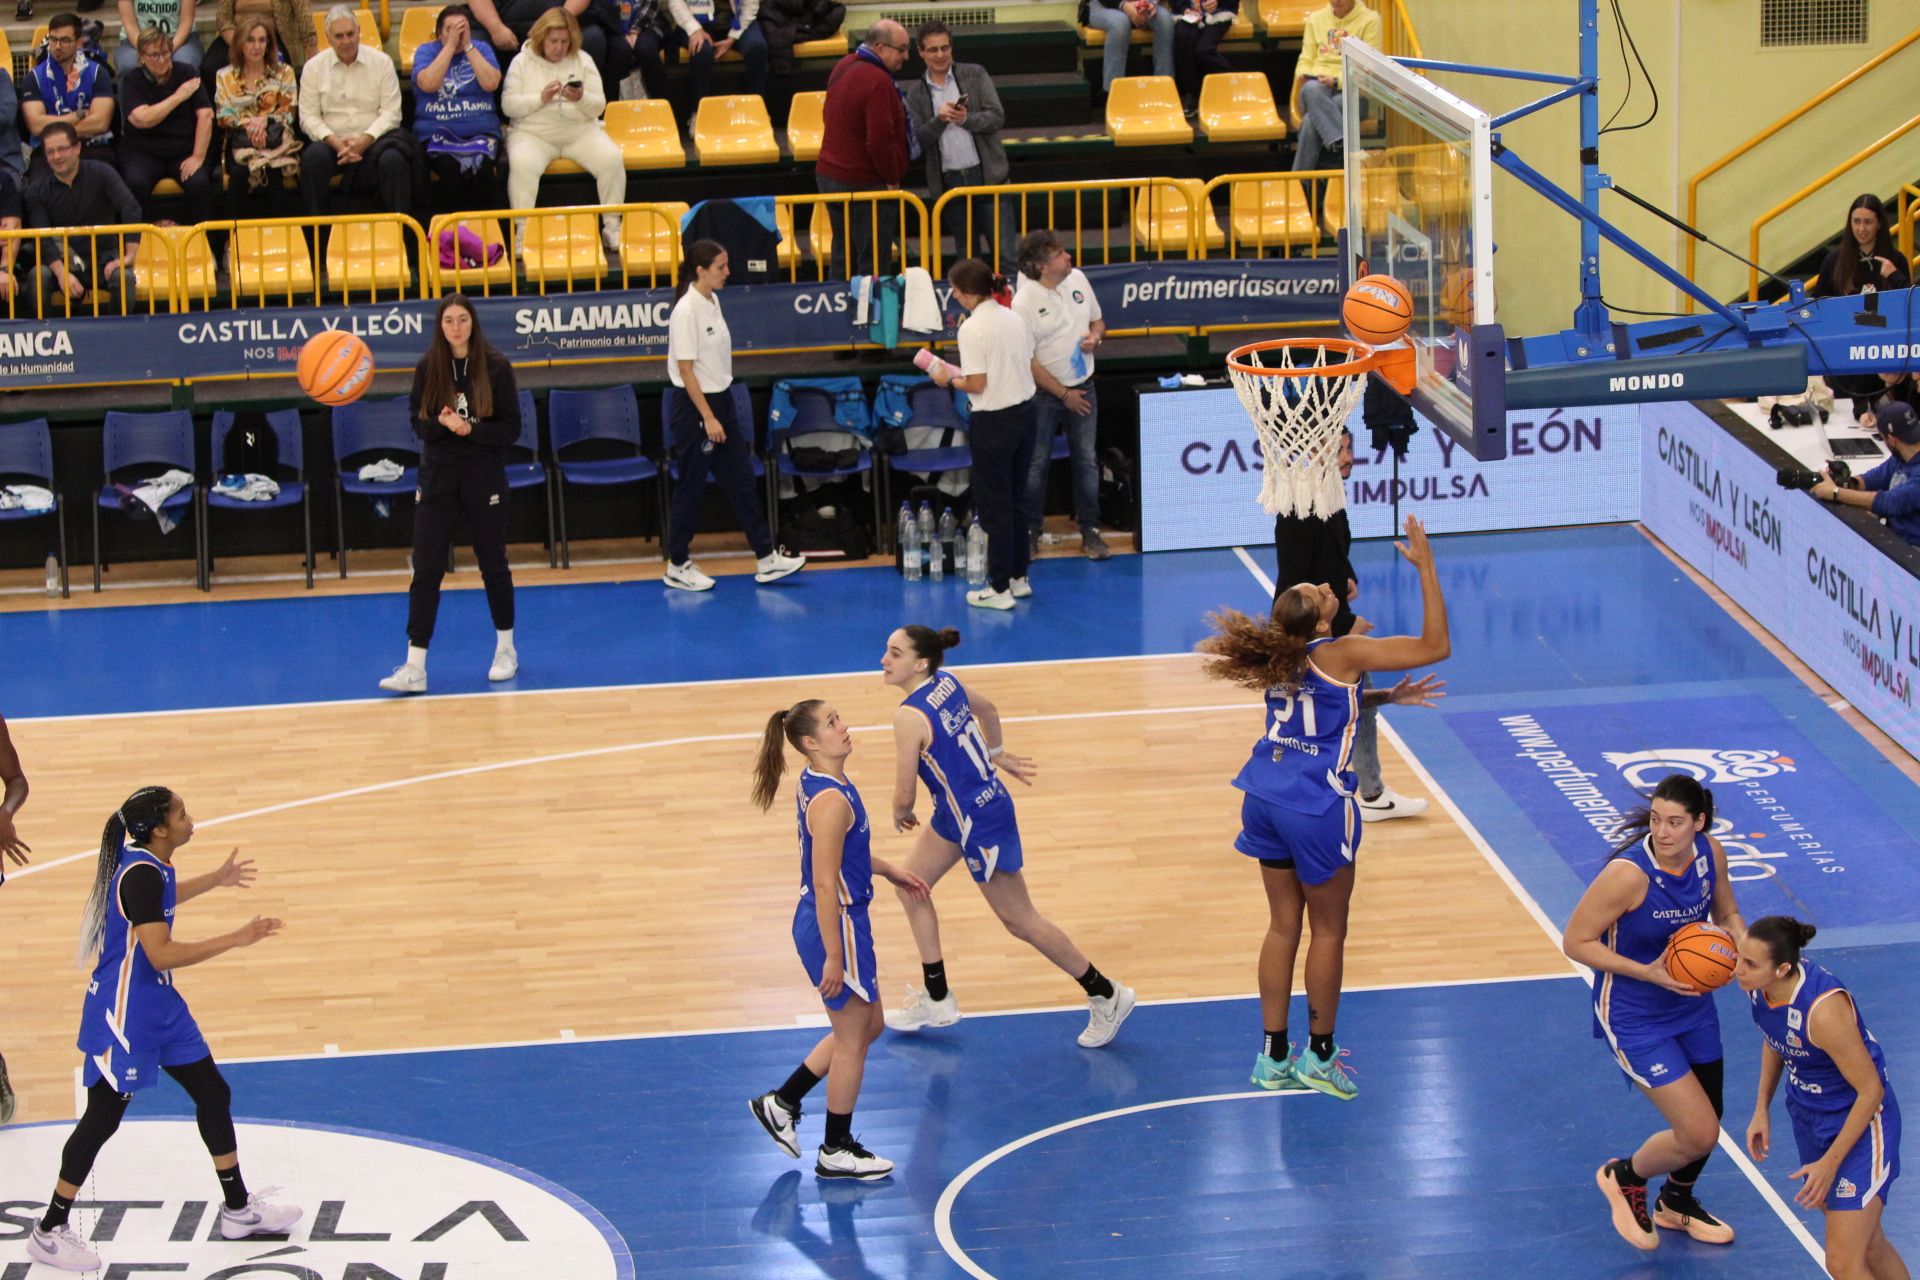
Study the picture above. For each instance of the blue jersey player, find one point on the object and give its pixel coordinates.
(134, 1024)
(1846, 1122)
(831, 931)
(950, 740)
(14, 781)
(1663, 1034)
(1298, 816)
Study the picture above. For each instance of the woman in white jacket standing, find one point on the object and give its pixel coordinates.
(554, 99)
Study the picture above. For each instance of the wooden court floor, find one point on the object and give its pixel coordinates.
(500, 868)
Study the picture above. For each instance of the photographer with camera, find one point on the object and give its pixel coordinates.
(1892, 489)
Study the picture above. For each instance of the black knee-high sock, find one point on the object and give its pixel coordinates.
(1712, 1077)
(839, 1129)
(936, 976)
(798, 1085)
(1096, 984)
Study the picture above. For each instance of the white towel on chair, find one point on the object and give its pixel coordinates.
(861, 287)
(154, 493)
(251, 487)
(920, 309)
(385, 470)
(25, 497)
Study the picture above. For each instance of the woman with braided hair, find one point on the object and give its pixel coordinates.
(135, 1025)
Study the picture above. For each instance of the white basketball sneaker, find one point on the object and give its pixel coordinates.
(686, 577)
(1104, 1016)
(920, 1013)
(506, 665)
(259, 1218)
(1389, 804)
(62, 1249)
(779, 1122)
(406, 678)
(774, 566)
(852, 1161)
(1019, 588)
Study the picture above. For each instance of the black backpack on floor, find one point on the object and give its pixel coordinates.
(824, 523)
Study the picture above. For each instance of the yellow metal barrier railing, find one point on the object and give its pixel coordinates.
(897, 215)
(1396, 30)
(290, 262)
(71, 272)
(1158, 215)
(1879, 144)
(1699, 179)
(1909, 213)
(1292, 214)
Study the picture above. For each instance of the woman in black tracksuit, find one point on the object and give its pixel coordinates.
(465, 407)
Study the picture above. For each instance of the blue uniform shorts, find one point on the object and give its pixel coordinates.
(1315, 845)
(131, 1071)
(858, 969)
(992, 840)
(1866, 1171)
(1657, 1053)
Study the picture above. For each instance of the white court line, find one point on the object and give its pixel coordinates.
(394, 784)
(1727, 1141)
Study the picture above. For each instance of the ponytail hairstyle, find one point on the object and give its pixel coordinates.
(1263, 655)
(133, 821)
(1783, 936)
(930, 644)
(701, 253)
(1683, 789)
(801, 720)
(972, 276)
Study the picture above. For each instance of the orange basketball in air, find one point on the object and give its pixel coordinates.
(1701, 955)
(335, 367)
(1377, 310)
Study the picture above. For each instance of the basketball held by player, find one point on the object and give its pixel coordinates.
(1665, 872)
(134, 1025)
(1298, 816)
(831, 931)
(1846, 1122)
(950, 739)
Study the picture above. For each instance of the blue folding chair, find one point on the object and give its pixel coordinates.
(290, 455)
(26, 453)
(151, 442)
(813, 411)
(360, 429)
(610, 415)
(742, 413)
(930, 405)
(525, 470)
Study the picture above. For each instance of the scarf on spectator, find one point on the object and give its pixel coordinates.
(469, 153)
(913, 136)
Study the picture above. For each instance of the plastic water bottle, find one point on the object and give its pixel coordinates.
(936, 561)
(909, 543)
(949, 534)
(976, 555)
(53, 574)
(928, 546)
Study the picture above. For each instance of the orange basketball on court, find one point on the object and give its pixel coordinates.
(1377, 310)
(335, 367)
(1701, 955)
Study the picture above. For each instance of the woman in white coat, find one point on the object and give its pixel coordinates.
(554, 99)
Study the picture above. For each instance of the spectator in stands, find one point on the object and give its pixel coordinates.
(167, 128)
(455, 77)
(786, 23)
(172, 18)
(957, 113)
(602, 38)
(866, 145)
(289, 21)
(13, 183)
(254, 102)
(643, 26)
(350, 107)
(1120, 20)
(554, 99)
(708, 29)
(70, 89)
(1059, 308)
(1318, 124)
(71, 192)
(1200, 27)
(1892, 489)
(1866, 257)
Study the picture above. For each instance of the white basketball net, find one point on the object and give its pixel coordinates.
(1299, 418)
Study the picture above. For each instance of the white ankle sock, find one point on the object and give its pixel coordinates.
(416, 657)
(503, 640)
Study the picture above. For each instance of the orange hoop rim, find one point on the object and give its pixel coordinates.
(1395, 363)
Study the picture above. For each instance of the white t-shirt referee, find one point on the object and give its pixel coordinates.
(996, 342)
(697, 331)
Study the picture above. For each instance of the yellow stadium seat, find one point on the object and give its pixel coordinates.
(806, 124)
(734, 129)
(648, 135)
(563, 246)
(833, 46)
(6, 51)
(819, 232)
(470, 279)
(1237, 106)
(417, 27)
(1287, 18)
(1160, 218)
(168, 187)
(153, 266)
(270, 261)
(369, 29)
(1278, 213)
(33, 45)
(650, 242)
(1242, 28)
(367, 256)
(1144, 111)
(1096, 37)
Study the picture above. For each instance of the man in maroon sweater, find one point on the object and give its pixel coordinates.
(865, 145)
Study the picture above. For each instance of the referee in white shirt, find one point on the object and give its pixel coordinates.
(1058, 305)
(996, 372)
(703, 432)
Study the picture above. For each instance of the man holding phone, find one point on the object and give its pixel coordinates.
(956, 112)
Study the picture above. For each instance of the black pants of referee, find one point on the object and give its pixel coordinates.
(1002, 445)
(445, 494)
(731, 465)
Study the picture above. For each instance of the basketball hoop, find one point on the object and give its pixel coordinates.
(1300, 392)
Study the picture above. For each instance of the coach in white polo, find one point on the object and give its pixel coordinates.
(996, 372)
(1059, 308)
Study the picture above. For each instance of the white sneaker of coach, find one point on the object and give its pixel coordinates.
(406, 678)
(988, 598)
(774, 566)
(1389, 804)
(687, 577)
(1104, 1016)
(506, 664)
(1019, 588)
